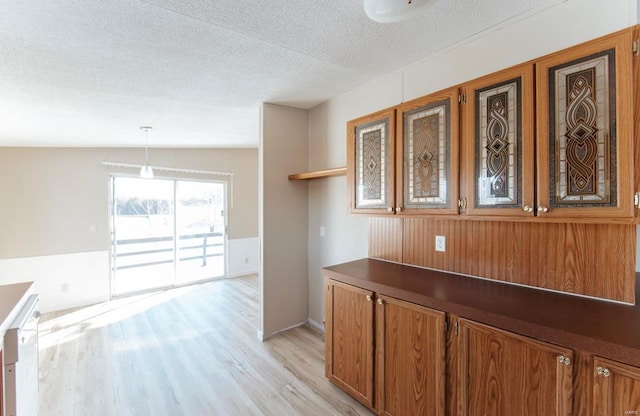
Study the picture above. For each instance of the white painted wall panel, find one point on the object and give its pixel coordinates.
(283, 219)
(63, 281)
(244, 256)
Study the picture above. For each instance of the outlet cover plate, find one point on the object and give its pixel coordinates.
(440, 243)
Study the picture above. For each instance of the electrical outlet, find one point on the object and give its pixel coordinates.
(246, 260)
(440, 243)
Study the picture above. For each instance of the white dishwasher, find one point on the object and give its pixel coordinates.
(21, 361)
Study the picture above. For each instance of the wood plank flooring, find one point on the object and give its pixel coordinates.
(188, 351)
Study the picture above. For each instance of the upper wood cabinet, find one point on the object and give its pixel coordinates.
(371, 163)
(349, 340)
(552, 139)
(498, 143)
(427, 158)
(585, 130)
(508, 374)
(616, 388)
(410, 359)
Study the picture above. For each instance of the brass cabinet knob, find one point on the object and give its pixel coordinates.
(398, 209)
(542, 209)
(604, 372)
(368, 298)
(527, 208)
(390, 209)
(380, 302)
(564, 360)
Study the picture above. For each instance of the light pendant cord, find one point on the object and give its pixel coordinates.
(146, 172)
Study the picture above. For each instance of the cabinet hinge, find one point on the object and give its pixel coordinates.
(446, 325)
(635, 47)
(462, 98)
(636, 200)
(457, 329)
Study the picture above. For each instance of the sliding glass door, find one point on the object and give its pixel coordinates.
(200, 220)
(166, 233)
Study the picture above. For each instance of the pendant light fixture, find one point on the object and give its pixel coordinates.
(145, 171)
(389, 11)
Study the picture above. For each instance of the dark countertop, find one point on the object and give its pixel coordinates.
(12, 297)
(607, 329)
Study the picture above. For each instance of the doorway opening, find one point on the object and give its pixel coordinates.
(166, 233)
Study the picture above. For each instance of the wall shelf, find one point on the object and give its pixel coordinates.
(317, 174)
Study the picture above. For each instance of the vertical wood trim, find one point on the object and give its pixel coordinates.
(452, 379)
(328, 329)
(636, 113)
(583, 383)
(587, 259)
(379, 398)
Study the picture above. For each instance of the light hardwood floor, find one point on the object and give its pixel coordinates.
(189, 351)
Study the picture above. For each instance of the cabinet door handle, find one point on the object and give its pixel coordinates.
(380, 302)
(398, 209)
(368, 297)
(390, 209)
(542, 209)
(604, 372)
(564, 360)
(527, 208)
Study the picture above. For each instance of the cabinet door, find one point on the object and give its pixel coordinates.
(498, 143)
(504, 374)
(349, 340)
(585, 142)
(616, 388)
(427, 154)
(410, 367)
(370, 163)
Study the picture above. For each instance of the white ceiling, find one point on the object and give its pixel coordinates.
(90, 72)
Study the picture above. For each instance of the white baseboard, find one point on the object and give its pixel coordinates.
(299, 324)
(316, 325)
(243, 273)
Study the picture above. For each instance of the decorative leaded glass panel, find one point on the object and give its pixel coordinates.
(582, 132)
(427, 156)
(372, 161)
(498, 145)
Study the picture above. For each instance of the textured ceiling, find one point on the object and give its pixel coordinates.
(90, 72)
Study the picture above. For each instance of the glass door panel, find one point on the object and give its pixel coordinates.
(201, 230)
(143, 236)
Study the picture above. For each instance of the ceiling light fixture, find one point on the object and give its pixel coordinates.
(145, 171)
(389, 11)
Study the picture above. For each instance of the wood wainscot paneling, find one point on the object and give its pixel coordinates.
(587, 259)
(385, 238)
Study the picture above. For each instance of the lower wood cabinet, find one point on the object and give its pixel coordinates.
(410, 359)
(349, 340)
(616, 388)
(398, 359)
(507, 374)
(409, 351)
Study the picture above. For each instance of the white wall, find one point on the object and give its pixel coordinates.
(526, 37)
(52, 196)
(283, 219)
